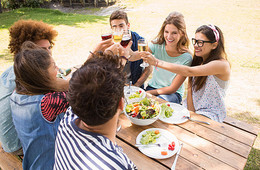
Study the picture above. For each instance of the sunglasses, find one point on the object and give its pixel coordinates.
(199, 43)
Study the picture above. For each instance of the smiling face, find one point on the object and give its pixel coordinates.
(171, 35)
(205, 50)
(119, 24)
(52, 70)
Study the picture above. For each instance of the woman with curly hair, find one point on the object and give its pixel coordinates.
(23, 30)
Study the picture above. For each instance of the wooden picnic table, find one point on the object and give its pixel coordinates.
(215, 146)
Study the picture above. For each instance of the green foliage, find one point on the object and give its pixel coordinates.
(253, 161)
(49, 16)
(14, 4)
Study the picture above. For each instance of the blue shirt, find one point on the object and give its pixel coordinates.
(8, 135)
(163, 78)
(76, 148)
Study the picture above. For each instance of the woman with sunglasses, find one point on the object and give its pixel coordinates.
(208, 75)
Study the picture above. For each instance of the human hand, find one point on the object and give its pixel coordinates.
(103, 45)
(113, 49)
(148, 58)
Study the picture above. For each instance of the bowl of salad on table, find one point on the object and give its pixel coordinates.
(134, 94)
(142, 113)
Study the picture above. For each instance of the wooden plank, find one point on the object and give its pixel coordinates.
(241, 125)
(144, 162)
(227, 130)
(9, 161)
(218, 138)
(209, 153)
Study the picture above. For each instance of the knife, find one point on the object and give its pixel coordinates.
(177, 155)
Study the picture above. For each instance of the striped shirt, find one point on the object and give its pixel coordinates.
(53, 104)
(79, 149)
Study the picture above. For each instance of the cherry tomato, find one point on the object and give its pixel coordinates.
(173, 144)
(140, 91)
(156, 131)
(168, 105)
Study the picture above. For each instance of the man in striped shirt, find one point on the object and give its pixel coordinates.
(86, 137)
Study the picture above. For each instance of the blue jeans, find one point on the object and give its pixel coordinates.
(174, 97)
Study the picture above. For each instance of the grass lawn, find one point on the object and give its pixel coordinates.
(239, 21)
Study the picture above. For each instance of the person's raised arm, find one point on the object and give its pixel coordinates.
(102, 46)
(190, 105)
(216, 67)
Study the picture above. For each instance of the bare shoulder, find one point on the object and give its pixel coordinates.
(225, 67)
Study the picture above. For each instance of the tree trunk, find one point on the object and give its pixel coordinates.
(0, 6)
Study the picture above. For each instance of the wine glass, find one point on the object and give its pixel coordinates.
(117, 35)
(126, 38)
(143, 46)
(106, 33)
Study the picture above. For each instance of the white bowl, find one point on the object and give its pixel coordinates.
(141, 122)
(133, 89)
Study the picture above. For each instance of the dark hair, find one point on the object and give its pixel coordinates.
(29, 30)
(177, 19)
(31, 70)
(215, 54)
(96, 88)
(118, 14)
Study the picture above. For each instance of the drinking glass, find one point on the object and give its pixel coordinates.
(126, 38)
(106, 33)
(143, 46)
(117, 35)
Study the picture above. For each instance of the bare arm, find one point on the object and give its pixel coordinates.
(147, 71)
(175, 85)
(190, 105)
(216, 67)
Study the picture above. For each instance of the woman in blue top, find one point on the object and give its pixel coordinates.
(171, 45)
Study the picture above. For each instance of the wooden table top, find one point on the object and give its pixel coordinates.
(215, 146)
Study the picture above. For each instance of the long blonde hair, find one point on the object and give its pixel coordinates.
(177, 19)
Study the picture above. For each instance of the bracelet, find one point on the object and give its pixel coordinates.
(124, 58)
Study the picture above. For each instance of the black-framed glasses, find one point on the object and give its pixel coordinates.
(199, 43)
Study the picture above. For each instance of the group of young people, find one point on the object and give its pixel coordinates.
(81, 114)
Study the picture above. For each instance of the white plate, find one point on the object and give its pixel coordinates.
(155, 151)
(177, 116)
(134, 89)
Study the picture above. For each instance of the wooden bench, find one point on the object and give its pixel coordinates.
(9, 161)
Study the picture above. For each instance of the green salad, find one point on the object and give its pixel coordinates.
(145, 109)
(166, 110)
(150, 137)
(137, 94)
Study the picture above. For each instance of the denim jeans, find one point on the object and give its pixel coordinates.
(174, 97)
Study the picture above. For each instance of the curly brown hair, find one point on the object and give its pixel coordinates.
(29, 30)
(96, 88)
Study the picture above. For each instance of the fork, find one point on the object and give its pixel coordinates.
(129, 90)
(154, 144)
(188, 117)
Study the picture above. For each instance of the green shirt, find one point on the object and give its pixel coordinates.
(163, 78)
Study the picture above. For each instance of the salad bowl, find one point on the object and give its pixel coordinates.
(142, 113)
(134, 94)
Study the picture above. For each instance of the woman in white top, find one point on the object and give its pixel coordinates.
(208, 74)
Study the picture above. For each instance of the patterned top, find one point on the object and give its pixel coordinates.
(79, 149)
(53, 104)
(209, 100)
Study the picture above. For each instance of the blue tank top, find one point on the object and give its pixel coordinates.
(37, 135)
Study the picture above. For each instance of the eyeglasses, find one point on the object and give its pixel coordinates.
(199, 43)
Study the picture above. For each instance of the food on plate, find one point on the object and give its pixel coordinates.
(171, 146)
(150, 137)
(137, 94)
(166, 110)
(145, 109)
(164, 152)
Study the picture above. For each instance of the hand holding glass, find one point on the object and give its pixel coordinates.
(143, 46)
